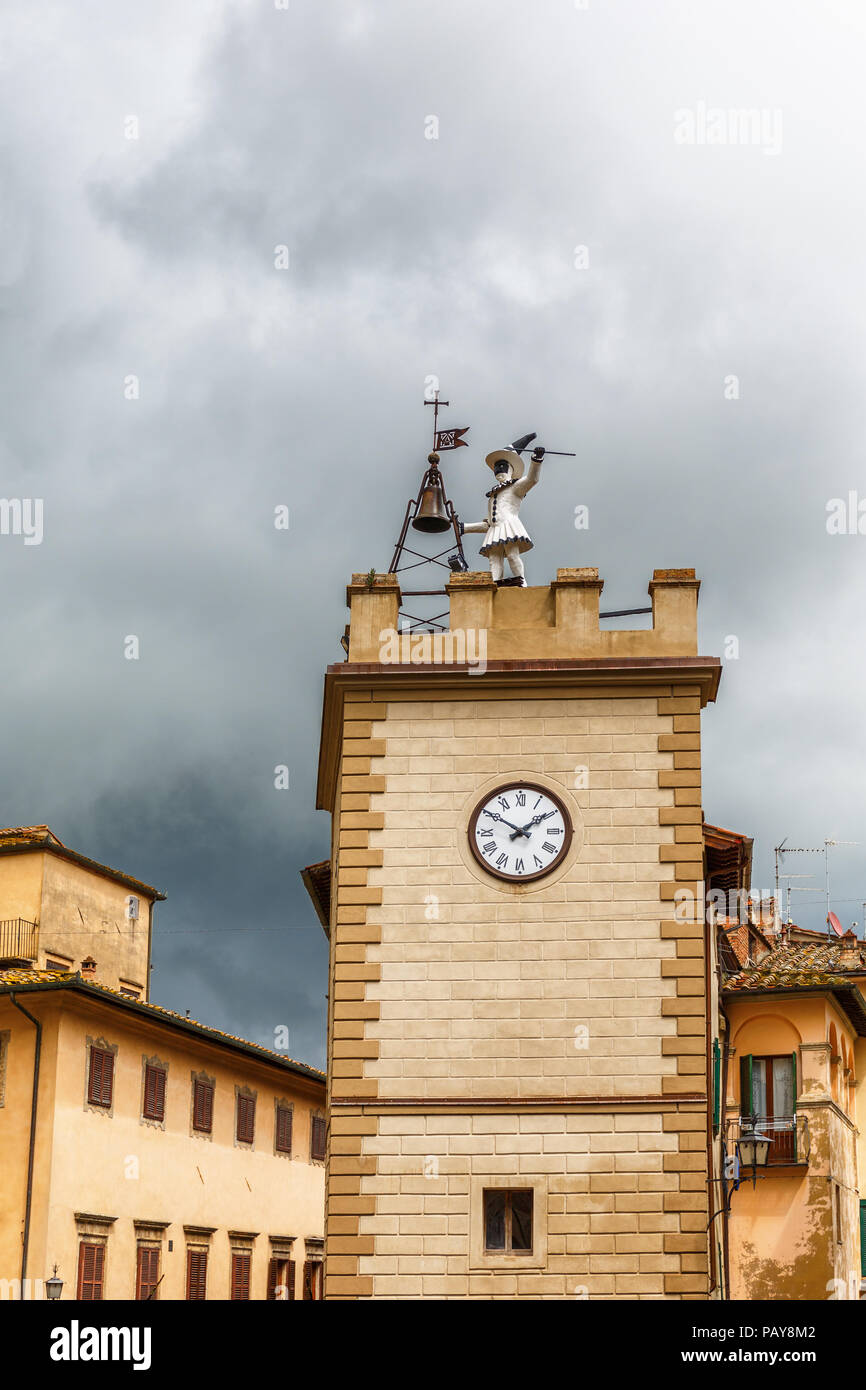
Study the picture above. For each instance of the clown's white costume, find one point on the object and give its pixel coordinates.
(506, 537)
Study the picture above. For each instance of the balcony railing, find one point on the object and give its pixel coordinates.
(788, 1135)
(18, 940)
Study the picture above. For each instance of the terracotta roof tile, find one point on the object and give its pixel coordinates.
(810, 966)
(11, 978)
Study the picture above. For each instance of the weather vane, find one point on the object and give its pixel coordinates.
(506, 539)
(444, 439)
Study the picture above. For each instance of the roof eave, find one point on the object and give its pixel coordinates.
(195, 1029)
(145, 890)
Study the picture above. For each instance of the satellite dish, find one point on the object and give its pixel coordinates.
(833, 921)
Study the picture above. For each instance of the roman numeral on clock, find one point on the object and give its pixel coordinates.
(551, 849)
(502, 861)
(519, 867)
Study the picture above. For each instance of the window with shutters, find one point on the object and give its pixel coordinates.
(196, 1274)
(245, 1126)
(153, 1107)
(147, 1272)
(768, 1102)
(283, 1129)
(317, 1137)
(241, 1261)
(202, 1105)
(313, 1283)
(91, 1269)
(100, 1077)
(508, 1220)
(281, 1279)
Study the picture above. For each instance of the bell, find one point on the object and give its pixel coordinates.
(431, 514)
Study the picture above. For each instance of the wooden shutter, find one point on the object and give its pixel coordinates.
(317, 1137)
(746, 1086)
(154, 1093)
(246, 1119)
(794, 1105)
(284, 1129)
(308, 1278)
(202, 1106)
(100, 1083)
(147, 1274)
(717, 1088)
(196, 1274)
(91, 1264)
(240, 1275)
(281, 1275)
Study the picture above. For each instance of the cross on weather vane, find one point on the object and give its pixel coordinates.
(445, 439)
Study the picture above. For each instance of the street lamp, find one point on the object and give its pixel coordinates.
(53, 1287)
(753, 1148)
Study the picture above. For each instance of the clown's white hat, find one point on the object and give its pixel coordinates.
(507, 455)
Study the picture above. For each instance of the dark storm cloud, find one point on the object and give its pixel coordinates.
(409, 257)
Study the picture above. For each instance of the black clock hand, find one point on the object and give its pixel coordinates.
(515, 828)
(529, 824)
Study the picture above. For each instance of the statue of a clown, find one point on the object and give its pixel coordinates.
(506, 537)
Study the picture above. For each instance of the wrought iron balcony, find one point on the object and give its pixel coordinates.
(788, 1134)
(19, 941)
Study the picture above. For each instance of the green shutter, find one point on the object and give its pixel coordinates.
(746, 1108)
(794, 1098)
(717, 1072)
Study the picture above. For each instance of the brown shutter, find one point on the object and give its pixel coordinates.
(246, 1119)
(101, 1077)
(147, 1272)
(196, 1274)
(202, 1106)
(91, 1263)
(154, 1093)
(317, 1137)
(240, 1275)
(290, 1277)
(273, 1279)
(284, 1129)
(308, 1278)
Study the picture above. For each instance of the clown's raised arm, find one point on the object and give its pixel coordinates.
(473, 526)
(522, 487)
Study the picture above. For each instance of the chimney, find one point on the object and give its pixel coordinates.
(88, 968)
(849, 954)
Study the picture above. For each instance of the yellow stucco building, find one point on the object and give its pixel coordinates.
(144, 1154)
(792, 1032)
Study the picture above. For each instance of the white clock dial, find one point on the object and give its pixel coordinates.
(520, 832)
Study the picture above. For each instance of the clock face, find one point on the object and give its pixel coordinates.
(520, 832)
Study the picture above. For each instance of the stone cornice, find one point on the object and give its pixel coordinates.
(599, 677)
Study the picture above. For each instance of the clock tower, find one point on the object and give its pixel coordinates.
(518, 999)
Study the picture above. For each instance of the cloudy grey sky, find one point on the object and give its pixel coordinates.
(410, 257)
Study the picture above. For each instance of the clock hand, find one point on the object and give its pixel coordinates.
(515, 828)
(529, 824)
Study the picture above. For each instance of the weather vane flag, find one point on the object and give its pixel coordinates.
(450, 439)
